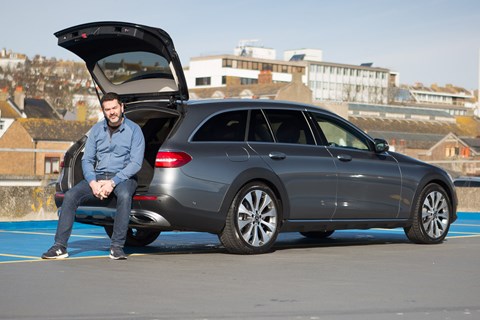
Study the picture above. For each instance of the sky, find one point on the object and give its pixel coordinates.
(426, 41)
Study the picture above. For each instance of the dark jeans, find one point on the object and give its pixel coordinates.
(81, 193)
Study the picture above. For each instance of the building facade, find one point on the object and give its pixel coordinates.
(342, 82)
(329, 82)
(223, 70)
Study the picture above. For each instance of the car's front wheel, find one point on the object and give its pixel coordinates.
(136, 237)
(253, 220)
(431, 216)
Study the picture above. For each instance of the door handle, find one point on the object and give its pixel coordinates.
(344, 157)
(277, 155)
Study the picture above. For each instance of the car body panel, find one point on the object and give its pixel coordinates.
(308, 174)
(369, 184)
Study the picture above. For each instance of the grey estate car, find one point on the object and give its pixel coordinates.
(245, 169)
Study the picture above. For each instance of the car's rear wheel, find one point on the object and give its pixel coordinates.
(317, 234)
(253, 220)
(431, 216)
(136, 237)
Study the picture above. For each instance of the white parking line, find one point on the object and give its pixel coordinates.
(467, 225)
(50, 234)
(469, 235)
(18, 256)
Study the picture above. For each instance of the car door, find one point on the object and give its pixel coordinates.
(369, 183)
(285, 142)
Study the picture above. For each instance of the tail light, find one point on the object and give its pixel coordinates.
(170, 159)
(143, 198)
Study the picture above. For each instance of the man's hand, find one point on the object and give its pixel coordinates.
(101, 188)
(96, 187)
(106, 188)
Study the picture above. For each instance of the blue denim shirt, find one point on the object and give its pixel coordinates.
(121, 154)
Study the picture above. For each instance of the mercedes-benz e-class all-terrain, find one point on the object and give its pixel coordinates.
(245, 169)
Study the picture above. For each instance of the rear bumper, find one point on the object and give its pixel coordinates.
(159, 212)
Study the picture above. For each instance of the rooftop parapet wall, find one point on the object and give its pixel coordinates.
(25, 203)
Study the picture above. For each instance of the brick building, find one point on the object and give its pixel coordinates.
(35, 147)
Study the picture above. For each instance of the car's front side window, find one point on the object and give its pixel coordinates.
(339, 136)
(227, 126)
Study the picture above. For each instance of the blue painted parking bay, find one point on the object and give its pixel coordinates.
(26, 241)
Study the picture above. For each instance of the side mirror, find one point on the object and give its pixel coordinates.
(381, 145)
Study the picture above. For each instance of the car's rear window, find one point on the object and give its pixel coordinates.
(123, 67)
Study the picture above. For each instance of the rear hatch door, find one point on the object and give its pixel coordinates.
(135, 61)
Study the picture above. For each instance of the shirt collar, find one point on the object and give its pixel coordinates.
(121, 127)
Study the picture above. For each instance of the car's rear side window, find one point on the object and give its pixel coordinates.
(289, 126)
(227, 126)
(259, 130)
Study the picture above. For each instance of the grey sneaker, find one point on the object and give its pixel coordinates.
(55, 252)
(116, 253)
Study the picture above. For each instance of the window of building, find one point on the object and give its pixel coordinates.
(267, 66)
(247, 81)
(227, 63)
(203, 81)
(52, 165)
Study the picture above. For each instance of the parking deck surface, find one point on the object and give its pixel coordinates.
(26, 241)
(354, 275)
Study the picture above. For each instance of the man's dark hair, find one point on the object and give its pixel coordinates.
(109, 97)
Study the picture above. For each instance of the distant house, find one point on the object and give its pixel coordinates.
(35, 147)
(40, 109)
(451, 150)
(21, 107)
(430, 134)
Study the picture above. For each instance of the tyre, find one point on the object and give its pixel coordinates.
(136, 237)
(253, 220)
(431, 216)
(317, 234)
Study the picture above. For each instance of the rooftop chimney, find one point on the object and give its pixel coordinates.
(265, 76)
(19, 98)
